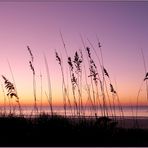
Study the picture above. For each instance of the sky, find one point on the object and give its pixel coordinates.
(120, 26)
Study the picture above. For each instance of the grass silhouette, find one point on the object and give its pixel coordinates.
(76, 129)
(34, 78)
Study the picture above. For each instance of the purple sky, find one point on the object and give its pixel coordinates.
(121, 26)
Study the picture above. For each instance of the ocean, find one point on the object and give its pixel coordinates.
(127, 111)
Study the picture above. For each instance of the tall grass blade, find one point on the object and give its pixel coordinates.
(49, 85)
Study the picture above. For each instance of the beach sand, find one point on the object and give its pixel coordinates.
(128, 122)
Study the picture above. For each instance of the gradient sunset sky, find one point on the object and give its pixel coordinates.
(122, 28)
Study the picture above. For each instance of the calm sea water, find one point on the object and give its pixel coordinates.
(126, 110)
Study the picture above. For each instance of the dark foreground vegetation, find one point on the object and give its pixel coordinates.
(46, 130)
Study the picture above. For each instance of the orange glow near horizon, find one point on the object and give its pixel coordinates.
(57, 100)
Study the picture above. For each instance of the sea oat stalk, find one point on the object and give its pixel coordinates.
(64, 88)
(11, 91)
(34, 78)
